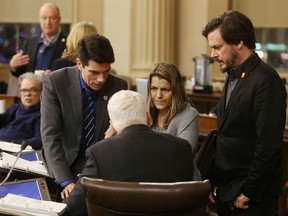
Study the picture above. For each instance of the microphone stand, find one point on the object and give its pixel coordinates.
(22, 148)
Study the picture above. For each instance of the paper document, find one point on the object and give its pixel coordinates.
(7, 160)
(30, 206)
(13, 147)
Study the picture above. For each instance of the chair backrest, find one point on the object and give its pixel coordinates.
(128, 79)
(206, 153)
(110, 198)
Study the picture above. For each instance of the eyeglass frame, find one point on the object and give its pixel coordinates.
(32, 91)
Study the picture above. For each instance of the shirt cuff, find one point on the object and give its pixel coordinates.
(64, 183)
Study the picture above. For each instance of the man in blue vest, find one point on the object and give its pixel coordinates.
(39, 52)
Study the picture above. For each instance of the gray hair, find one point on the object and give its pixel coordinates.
(31, 76)
(127, 108)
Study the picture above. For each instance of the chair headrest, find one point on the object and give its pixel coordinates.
(132, 196)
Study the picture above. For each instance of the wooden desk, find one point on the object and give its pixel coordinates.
(203, 102)
(206, 124)
(9, 99)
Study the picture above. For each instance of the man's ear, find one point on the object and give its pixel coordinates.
(79, 64)
(111, 124)
(240, 45)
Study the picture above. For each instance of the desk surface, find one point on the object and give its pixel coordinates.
(203, 102)
(215, 95)
(207, 123)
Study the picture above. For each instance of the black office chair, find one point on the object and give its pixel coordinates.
(114, 198)
(206, 153)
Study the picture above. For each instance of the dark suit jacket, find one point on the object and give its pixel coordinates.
(31, 49)
(138, 154)
(61, 118)
(250, 131)
(61, 63)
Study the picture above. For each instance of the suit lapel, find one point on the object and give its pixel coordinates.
(32, 53)
(225, 110)
(221, 105)
(101, 109)
(234, 94)
(246, 68)
(76, 97)
(59, 47)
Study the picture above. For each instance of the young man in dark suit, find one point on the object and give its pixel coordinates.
(135, 153)
(251, 118)
(74, 109)
(40, 52)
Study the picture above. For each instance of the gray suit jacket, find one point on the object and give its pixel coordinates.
(138, 154)
(185, 125)
(61, 118)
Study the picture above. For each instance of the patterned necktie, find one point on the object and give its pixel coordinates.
(88, 121)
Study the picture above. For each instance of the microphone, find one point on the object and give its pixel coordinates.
(22, 148)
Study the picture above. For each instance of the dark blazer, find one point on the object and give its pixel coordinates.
(250, 131)
(138, 154)
(61, 63)
(61, 118)
(31, 48)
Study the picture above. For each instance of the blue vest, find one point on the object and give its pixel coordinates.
(44, 54)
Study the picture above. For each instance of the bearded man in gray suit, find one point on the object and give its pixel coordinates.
(65, 98)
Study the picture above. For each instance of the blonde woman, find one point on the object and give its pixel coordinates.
(69, 55)
(169, 107)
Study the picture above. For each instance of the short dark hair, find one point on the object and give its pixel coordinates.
(234, 27)
(95, 47)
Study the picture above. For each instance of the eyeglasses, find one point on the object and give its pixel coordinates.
(32, 91)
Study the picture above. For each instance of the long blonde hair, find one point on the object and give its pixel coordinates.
(171, 74)
(77, 32)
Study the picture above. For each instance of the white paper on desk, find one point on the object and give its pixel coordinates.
(31, 206)
(7, 160)
(13, 147)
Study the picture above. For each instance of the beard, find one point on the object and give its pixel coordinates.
(230, 62)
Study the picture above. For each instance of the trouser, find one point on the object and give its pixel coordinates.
(77, 166)
(76, 169)
(267, 207)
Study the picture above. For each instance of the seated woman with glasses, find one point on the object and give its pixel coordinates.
(21, 122)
